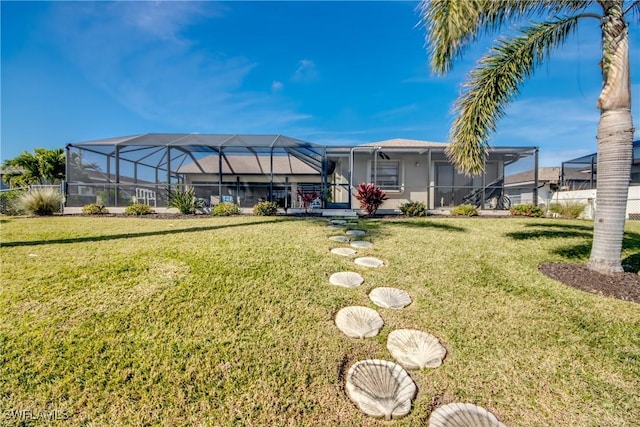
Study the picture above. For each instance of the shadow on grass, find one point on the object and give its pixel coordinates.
(559, 224)
(630, 241)
(141, 234)
(428, 224)
(547, 234)
(632, 263)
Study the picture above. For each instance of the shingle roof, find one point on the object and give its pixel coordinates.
(550, 175)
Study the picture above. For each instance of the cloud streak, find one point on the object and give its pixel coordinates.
(139, 54)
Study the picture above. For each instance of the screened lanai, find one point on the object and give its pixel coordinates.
(243, 169)
(246, 169)
(582, 173)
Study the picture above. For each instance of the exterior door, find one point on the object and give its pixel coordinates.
(338, 195)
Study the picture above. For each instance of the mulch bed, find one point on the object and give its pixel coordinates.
(623, 286)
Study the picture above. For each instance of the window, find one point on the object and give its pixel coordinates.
(386, 174)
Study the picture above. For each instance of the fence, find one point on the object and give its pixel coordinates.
(589, 199)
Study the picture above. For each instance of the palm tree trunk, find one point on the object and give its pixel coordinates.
(615, 143)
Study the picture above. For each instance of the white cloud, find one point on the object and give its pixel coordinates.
(276, 86)
(305, 72)
(139, 53)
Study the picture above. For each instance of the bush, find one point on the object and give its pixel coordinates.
(185, 200)
(8, 202)
(464, 210)
(225, 209)
(526, 210)
(265, 209)
(371, 197)
(567, 209)
(138, 209)
(41, 201)
(94, 209)
(413, 209)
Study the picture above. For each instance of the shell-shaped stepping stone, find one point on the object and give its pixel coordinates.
(343, 251)
(415, 349)
(463, 415)
(338, 222)
(380, 388)
(347, 279)
(359, 322)
(369, 261)
(361, 244)
(335, 227)
(390, 297)
(355, 232)
(341, 239)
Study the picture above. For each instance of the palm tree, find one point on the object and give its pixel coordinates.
(451, 25)
(42, 167)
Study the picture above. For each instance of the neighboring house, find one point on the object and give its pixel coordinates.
(519, 186)
(10, 171)
(245, 169)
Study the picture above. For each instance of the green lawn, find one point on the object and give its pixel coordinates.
(229, 321)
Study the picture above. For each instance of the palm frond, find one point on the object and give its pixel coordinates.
(634, 8)
(493, 84)
(451, 25)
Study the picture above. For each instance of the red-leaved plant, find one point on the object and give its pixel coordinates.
(370, 197)
(307, 198)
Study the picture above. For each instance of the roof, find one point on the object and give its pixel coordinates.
(550, 175)
(399, 142)
(250, 164)
(197, 139)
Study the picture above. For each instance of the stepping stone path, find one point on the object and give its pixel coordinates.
(381, 388)
(369, 261)
(347, 279)
(463, 414)
(390, 297)
(359, 322)
(361, 244)
(343, 251)
(415, 349)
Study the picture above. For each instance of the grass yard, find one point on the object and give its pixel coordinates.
(229, 321)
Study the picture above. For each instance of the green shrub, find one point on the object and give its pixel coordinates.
(413, 209)
(464, 210)
(371, 197)
(138, 209)
(94, 209)
(567, 209)
(41, 201)
(185, 200)
(265, 209)
(526, 210)
(8, 202)
(225, 209)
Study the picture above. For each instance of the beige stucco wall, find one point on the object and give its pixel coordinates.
(414, 178)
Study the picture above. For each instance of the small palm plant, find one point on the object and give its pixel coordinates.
(185, 200)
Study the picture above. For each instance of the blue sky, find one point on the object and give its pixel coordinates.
(327, 72)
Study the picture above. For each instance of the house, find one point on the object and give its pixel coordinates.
(519, 186)
(245, 169)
